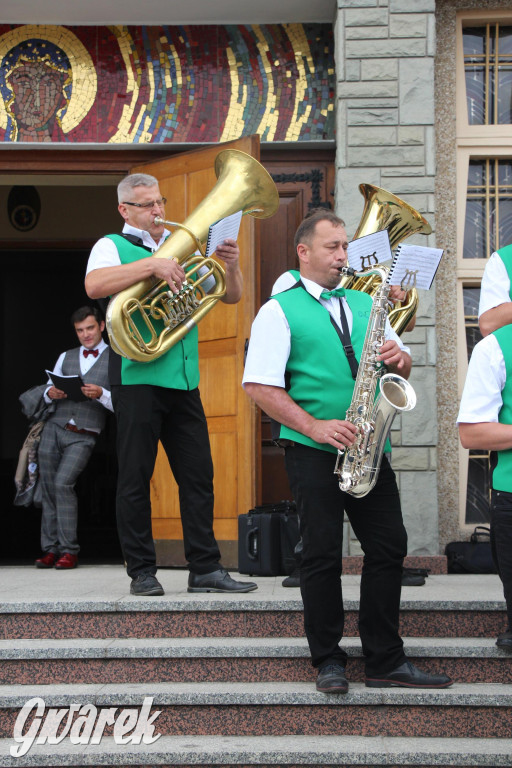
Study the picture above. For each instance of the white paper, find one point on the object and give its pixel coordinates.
(415, 266)
(368, 251)
(227, 227)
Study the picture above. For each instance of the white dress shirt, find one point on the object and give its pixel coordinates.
(495, 288)
(86, 364)
(104, 253)
(481, 399)
(269, 346)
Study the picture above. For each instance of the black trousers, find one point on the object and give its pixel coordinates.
(501, 543)
(146, 414)
(377, 522)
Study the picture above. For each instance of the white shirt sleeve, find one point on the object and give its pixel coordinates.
(103, 254)
(283, 282)
(269, 347)
(481, 399)
(495, 288)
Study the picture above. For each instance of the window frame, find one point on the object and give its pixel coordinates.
(473, 142)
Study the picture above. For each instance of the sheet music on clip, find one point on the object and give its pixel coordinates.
(366, 252)
(222, 229)
(414, 266)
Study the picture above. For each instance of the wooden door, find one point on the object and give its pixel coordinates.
(302, 185)
(185, 180)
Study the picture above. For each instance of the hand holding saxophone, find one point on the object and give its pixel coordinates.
(392, 356)
(334, 432)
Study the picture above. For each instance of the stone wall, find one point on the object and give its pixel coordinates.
(385, 136)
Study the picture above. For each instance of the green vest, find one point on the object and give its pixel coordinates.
(320, 382)
(502, 473)
(505, 255)
(176, 369)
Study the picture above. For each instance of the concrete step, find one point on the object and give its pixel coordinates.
(275, 751)
(94, 660)
(478, 711)
(227, 617)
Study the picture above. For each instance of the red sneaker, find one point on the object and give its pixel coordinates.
(66, 561)
(46, 561)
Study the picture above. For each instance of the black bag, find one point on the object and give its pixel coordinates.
(473, 556)
(267, 536)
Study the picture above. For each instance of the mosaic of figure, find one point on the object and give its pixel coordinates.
(190, 84)
(40, 84)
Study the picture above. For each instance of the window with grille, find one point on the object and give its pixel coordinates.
(488, 74)
(484, 194)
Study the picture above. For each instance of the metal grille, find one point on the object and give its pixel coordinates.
(488, 73)
(488, 224)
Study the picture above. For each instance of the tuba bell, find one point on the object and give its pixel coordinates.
(383, 210)
(147, 319)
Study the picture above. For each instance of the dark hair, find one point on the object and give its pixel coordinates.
(80, 314)
(306, 228)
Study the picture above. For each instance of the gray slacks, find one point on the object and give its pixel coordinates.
(62, 457)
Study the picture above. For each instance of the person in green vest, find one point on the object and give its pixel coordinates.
(495, 308)
(485, 423)
(160, 401)
(301, 367)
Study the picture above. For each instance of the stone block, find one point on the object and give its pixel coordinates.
(376, 136)
(410, 459)
(366, 89)
(416, 336)
(379, 69)
(411, 185)
(412, 6)
(418, 351)
(349, 201)
(392, 156)
(366, 33)
(373, 116)
(408, 25)
(343, 4)
(352, 70)
(367, 17)
(426, 309)
(418, 493)
(416, 89)
(419, 427)
(410, 135)
(389, 48)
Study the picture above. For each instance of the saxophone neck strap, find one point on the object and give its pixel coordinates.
(344, 335)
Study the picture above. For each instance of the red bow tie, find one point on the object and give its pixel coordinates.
(93, 352)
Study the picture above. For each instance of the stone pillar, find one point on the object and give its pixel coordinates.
(385, 136)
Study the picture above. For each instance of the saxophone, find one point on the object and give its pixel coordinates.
(358, 466)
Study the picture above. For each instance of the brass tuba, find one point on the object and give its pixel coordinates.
(147, 319)
(383, 210)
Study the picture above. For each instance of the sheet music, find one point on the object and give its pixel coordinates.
(367, 251)
(415, 266)
(229, 226)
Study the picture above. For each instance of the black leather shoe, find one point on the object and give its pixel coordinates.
(505, 640)
(293, 580)
(408, 676)
(146, 584)
(218, 581)
(331, 679)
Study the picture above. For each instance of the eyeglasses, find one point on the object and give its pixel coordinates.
(160, 203)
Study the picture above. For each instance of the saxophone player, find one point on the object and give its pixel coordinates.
(304, 379)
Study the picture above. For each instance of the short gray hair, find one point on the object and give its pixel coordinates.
(125, 186)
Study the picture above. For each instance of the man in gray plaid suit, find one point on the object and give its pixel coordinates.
(69, 436)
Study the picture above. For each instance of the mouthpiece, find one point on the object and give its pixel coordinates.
(344, 270)
(158, 220)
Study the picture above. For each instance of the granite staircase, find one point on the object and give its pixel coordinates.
(232, 682)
